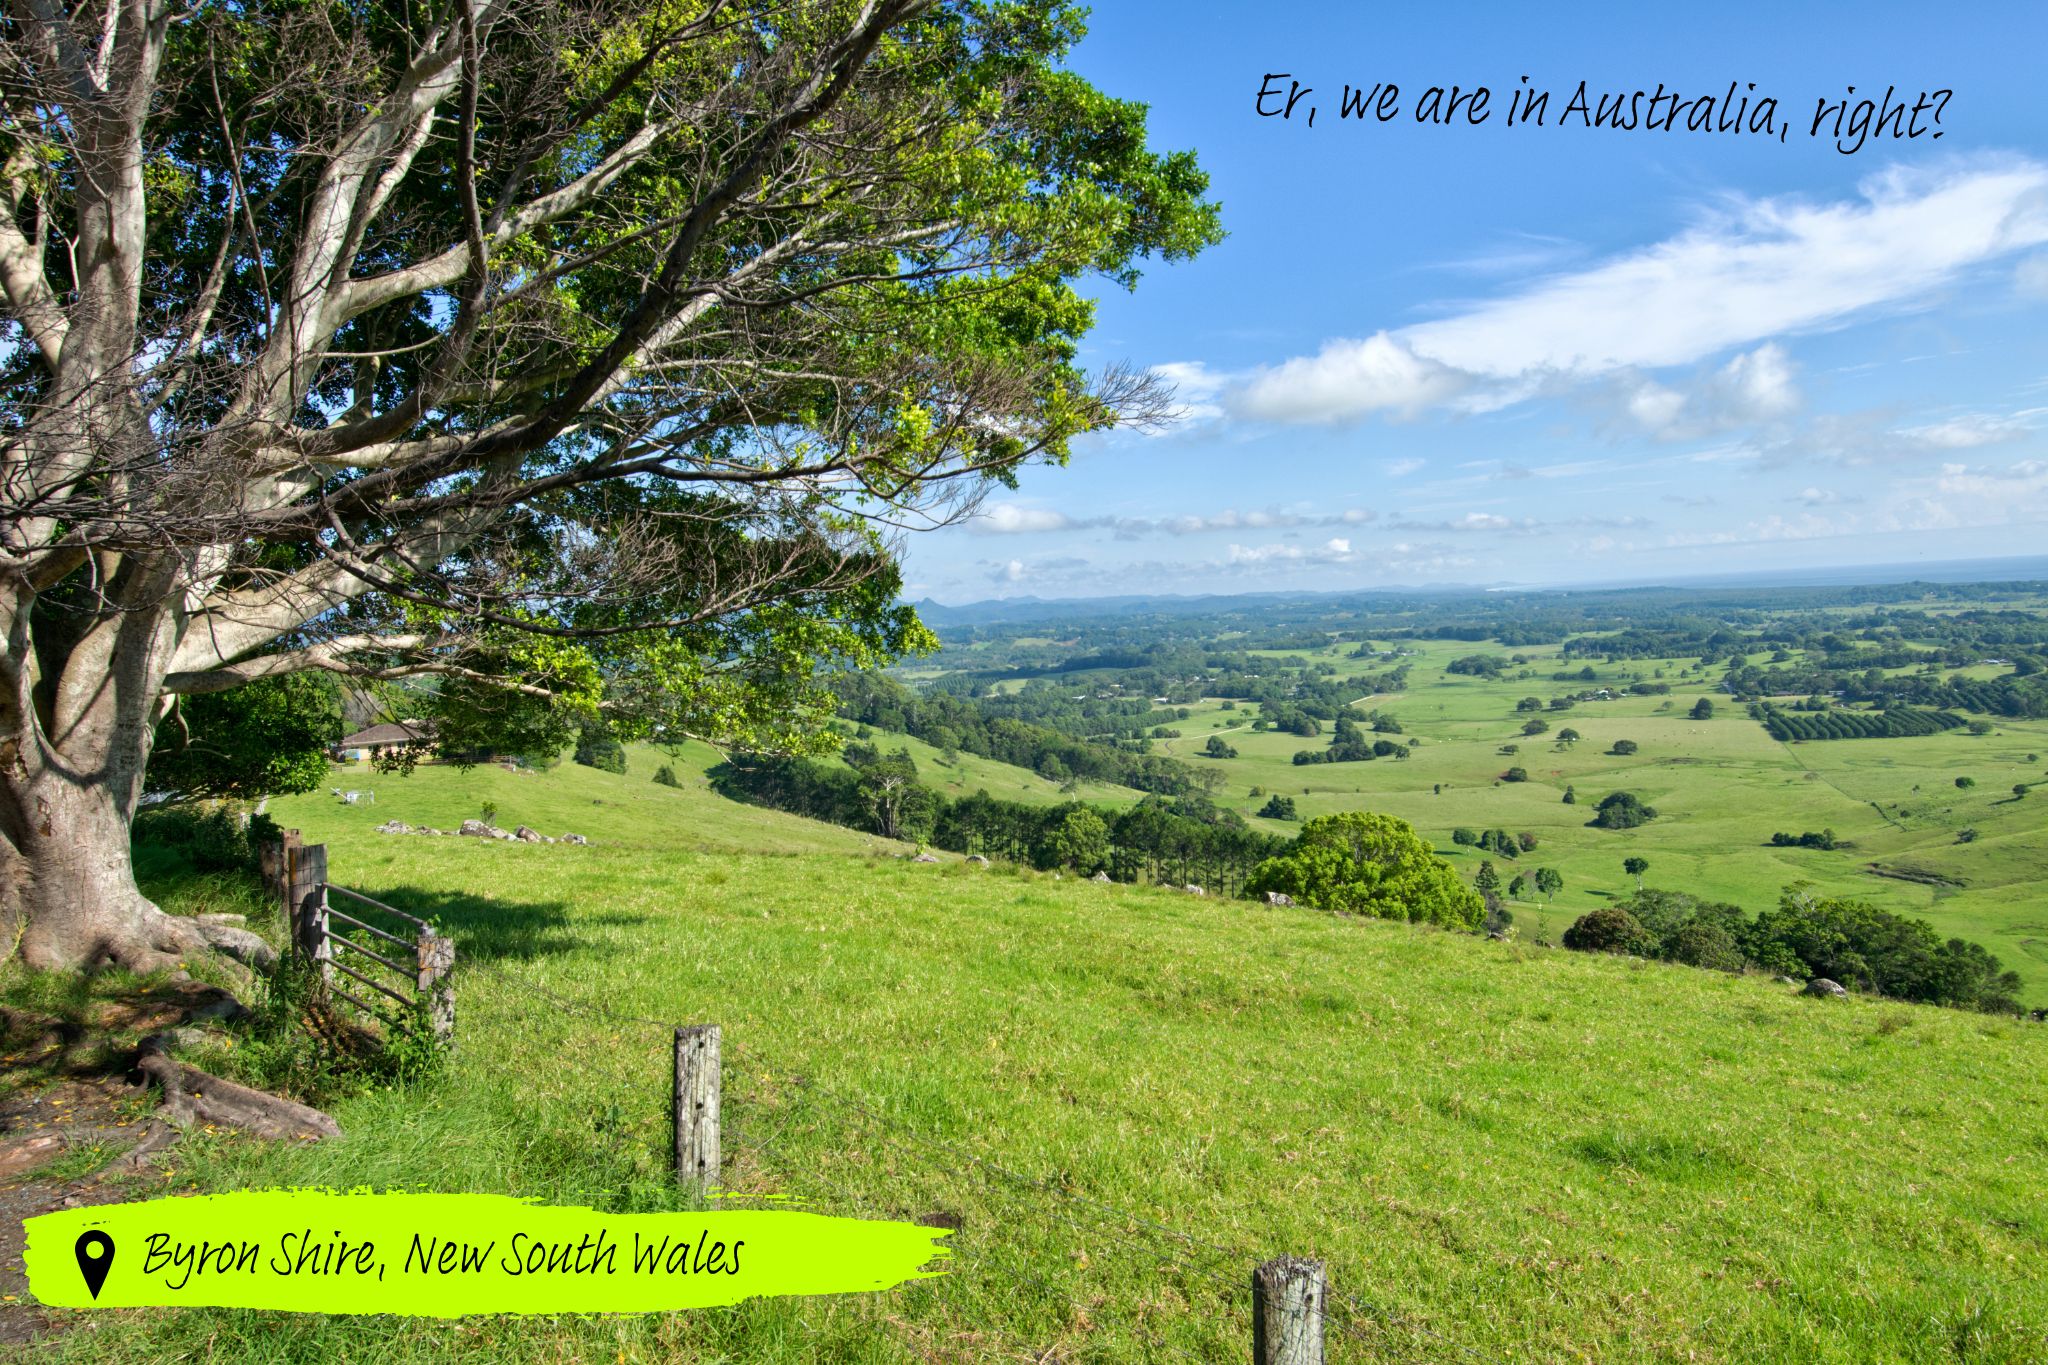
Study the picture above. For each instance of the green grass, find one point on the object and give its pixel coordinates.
(965, 774)
(1504, 1152)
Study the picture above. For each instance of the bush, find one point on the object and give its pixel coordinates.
(597, 749)
(665, 776)
(1701, 943)
(209, 838)
(1279, 808)
(1515, 775)
(1623, 748)
(1610, 930)
(1370, 864)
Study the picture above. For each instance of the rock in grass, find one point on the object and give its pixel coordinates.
(1100, 877)
(977, 860)
(1194, 890)
(924, 858)
(1279, 898)
(1820, 985)
(526, 834)
(476, 829)
(394, 827)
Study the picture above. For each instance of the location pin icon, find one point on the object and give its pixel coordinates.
(95, 1258)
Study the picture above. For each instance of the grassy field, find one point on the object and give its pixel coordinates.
(1721, 786)
(1128, 1097)
(965, 774)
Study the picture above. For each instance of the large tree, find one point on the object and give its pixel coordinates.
(574, 355)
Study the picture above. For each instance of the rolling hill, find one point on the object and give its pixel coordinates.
(1125, 1097)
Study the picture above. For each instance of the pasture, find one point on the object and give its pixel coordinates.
(1721, 786)
(1126, 1096)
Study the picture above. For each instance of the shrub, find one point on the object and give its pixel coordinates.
(1515, 775)
(597, 749)
(665, 776)
(206, 838)
(1610, 929)
(1623, 748)
(1702, 943)
(1279, 808)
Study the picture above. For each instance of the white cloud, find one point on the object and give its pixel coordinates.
(1009, 518)
(1195, 387)
(1973, 429)
(1752, 388)
(1753, 270)
(1348, 379)
(1401, 469)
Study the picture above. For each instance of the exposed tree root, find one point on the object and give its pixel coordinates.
(192, 1095)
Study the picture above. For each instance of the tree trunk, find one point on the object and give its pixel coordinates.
(71, 761)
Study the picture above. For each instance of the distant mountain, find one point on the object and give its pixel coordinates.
(1012, 611)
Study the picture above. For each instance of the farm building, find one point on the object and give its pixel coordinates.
(380, 739)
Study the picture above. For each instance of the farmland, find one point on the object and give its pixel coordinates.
(1969, 856)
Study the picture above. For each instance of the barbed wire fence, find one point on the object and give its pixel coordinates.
(986, 1202)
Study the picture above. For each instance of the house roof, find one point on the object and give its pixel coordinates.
(391, 732)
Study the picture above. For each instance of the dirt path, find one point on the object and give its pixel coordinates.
(72, 1126)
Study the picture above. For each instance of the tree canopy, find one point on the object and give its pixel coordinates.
(1370, 864)
(585, 356)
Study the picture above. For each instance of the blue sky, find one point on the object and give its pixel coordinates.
(1556, 354)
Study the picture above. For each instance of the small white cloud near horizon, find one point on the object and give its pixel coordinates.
(1012, 518)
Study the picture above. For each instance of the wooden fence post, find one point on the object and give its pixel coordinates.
(437, 960)
(696, 1103)
(283, 866)
(308, 892)
(1287, 1311)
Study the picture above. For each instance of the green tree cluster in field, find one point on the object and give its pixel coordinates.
(1349, 744)
(1092, 740)
(1180, 839)
(1279, 807)
(1364, 863)
(1846, 941)
(1810, 839)
(1835, 723)
(1622, 810)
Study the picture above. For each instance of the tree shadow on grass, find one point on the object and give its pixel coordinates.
(489, 929)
